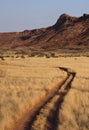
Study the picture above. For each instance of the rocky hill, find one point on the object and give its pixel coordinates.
(66, 32)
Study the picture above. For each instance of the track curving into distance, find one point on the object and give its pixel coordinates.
(45, 116)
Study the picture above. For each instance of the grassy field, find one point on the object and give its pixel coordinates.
(25, 82)
(74, 112)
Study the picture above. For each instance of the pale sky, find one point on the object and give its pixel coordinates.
(18, 15)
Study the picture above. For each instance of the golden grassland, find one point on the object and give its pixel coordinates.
(25, 82)
(74, 112)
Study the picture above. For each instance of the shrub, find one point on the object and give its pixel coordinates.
(47, 56)
(22, 56)
(2, 58)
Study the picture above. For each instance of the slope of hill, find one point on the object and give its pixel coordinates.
(67, 32)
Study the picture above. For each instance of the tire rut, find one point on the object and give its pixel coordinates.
(46, 116)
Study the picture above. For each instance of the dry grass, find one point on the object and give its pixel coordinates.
(24, 82)
(74, 112)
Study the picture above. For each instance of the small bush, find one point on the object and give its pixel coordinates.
(32, 55)
(52, 54)
(2, 58)
(40, 55)
(22, 56)
(17, 56)
(47, 56)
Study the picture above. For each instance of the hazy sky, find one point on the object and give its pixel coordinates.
(18, 15)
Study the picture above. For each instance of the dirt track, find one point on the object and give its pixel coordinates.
(44, 116)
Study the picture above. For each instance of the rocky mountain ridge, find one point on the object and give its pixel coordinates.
(68, 31)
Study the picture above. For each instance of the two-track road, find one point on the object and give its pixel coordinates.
(45, 115)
